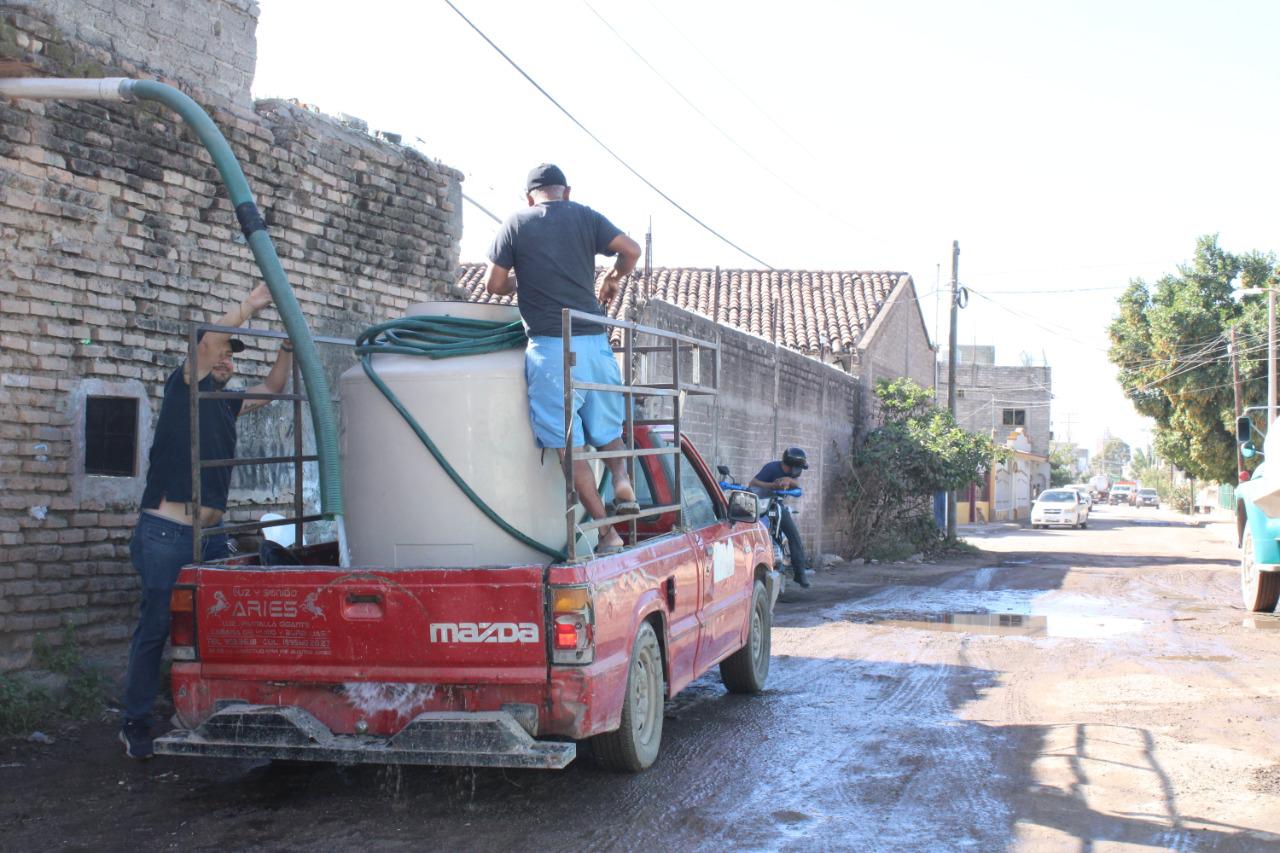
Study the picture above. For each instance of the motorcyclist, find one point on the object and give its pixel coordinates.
(784, 474)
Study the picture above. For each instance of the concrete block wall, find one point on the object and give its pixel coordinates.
(984, 391)
(770, 399)
(897, 343)
(115, 236)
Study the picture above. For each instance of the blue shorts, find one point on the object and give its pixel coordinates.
(598, 414)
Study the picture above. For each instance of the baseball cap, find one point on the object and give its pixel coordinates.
(545, 175)
(237, 345)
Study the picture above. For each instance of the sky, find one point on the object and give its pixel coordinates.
(1068, 147)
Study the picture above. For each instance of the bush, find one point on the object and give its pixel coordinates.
(895, 470)
(24, 705)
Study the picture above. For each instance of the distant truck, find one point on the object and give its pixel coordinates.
(1122, 492)
(1100, 485)
(1258, 519)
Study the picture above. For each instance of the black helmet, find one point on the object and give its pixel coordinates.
(793, 457)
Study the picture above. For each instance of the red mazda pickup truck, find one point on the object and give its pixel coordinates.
(484, 666)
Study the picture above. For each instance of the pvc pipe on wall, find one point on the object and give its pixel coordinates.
(100, 89)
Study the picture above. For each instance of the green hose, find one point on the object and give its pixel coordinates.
(444, 337)
(318, 395)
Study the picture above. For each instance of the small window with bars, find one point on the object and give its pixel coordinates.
(111, 436)
(1015, 417)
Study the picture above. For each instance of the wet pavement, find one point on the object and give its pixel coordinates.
(1065, 689)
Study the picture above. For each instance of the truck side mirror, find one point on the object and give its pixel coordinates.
(1244, 428)
(723, 471)
(1247, 450)
(744, 506)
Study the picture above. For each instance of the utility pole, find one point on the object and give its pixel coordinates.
(951, 369)
(1235, 384)
(1271, 356)
(648, 259)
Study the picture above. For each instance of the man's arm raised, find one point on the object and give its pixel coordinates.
(213, 344)
(275, 382)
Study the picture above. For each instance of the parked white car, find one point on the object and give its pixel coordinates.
(1086, 500)
(1060, 507)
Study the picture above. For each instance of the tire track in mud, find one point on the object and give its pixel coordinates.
(954, 746)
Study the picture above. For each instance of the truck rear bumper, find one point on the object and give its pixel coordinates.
(445, 738)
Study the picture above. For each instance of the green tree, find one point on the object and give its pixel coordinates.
(1112, 460)
(1062, 464)
(918, 450)
(1169, 341)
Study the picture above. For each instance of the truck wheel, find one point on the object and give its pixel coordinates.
(747, 669)
(634, 745)
(1259, 589)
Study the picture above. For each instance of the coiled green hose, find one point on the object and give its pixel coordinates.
(444, 337)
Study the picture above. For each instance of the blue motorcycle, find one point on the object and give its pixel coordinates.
(771, 515)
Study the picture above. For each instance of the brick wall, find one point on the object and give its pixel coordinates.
(115, 235)
(207, 44)
(770, 399)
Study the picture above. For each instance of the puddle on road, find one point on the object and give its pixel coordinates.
(1262, 623)
(1052, 625)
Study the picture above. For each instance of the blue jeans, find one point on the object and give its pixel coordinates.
(159, 548)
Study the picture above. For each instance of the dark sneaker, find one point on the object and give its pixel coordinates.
(802, 579)
(136, 738)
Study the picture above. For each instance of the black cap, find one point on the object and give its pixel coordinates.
(237, 345)
(545, 175)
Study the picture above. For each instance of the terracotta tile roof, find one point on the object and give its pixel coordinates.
(802, 310)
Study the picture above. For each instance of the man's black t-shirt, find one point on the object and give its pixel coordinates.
(169, 465)
(552, 247)
(771, 472)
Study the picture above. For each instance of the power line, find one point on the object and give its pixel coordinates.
(830, 214)
(600, 142)
(744, 93)
(1057, 290)
(482, 208)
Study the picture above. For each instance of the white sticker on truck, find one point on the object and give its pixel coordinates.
(721, 561)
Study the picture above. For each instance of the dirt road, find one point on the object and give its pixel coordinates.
(1077, 689)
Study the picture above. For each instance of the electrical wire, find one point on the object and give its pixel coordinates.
(482, 208)
(818, 206)
(601, 143)
(743, 92)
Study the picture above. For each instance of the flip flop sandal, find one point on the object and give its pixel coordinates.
(627, 508)
(609, 549)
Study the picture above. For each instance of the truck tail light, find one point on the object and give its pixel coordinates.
(182, 622)
(573, 639)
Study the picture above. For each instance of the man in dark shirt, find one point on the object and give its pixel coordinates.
(552, 246)
(163, 538)
(784, 473)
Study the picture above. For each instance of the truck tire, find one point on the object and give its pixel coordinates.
(634, 745)
(1260, 590)
(747, 669)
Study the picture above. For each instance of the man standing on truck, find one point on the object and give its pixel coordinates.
(552, 246)
(784, 473)
(163, 538)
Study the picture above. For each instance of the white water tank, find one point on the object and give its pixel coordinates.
(402, 509)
